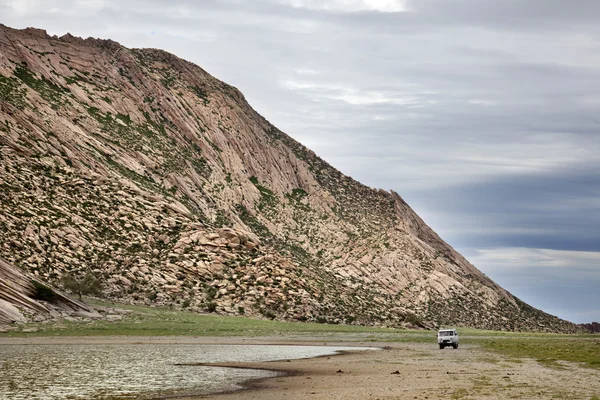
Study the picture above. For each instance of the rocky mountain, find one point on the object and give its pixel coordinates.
(142, 169)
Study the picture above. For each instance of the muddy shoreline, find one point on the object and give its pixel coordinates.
(401, 371)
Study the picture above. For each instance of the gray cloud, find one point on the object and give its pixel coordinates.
(483, 115)
(550, 277)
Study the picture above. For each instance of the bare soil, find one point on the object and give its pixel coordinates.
(419, 371)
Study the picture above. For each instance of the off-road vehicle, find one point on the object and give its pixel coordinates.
(447, 337)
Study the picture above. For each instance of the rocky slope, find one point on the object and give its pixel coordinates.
(24, 299)
(593, 327)
(144, 170)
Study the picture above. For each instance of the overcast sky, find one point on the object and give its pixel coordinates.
(483, 115)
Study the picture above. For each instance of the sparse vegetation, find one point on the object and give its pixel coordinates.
(201, 93)
(548, 349)
(11, 93)
(86, 285)
(268, 199)
(47, 89)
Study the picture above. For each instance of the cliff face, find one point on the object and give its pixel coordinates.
(144, 170)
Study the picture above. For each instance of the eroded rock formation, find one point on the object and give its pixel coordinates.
(20, 299)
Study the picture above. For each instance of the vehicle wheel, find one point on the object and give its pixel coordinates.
(455, 345)
(441, 346)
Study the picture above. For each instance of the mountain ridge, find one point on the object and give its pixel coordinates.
(145, 170)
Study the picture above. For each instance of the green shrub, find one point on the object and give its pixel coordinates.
(211, 292)
(86, 285)
(43, 292)
(268, 313)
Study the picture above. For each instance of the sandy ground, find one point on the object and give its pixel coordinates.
(399, 371)
(419, 371)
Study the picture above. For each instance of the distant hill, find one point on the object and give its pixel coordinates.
(142, 169)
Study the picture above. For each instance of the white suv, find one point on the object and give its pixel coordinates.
(447, 337)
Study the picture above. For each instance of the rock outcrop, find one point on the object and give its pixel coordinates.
(142, 169)
(24, 299)
(593, 327)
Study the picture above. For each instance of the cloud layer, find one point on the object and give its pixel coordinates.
(483, 115)
(561, 280)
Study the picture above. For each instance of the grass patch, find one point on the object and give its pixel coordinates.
(550, 349)
(150, 321)
(546, 348)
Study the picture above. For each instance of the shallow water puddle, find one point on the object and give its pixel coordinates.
(133, 371)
